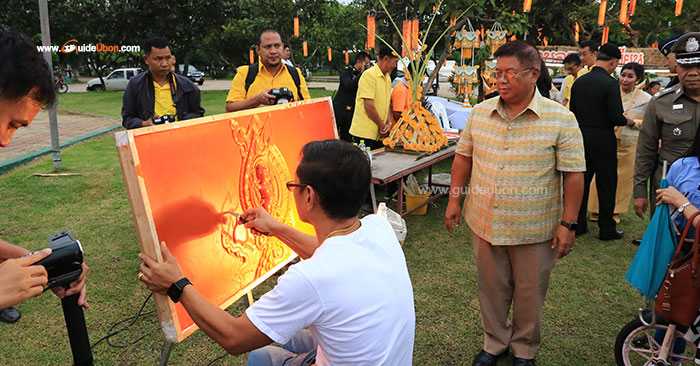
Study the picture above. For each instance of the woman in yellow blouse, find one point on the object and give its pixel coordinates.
(631, 74)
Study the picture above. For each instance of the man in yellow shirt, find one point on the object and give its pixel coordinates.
(158, 95)
(572, 65)
(372, 118)
(252, 85)
(588, 51)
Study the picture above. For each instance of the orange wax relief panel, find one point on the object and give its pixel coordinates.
(186, 180)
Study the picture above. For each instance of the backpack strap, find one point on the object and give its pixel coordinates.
(297, 81)
(250, 78)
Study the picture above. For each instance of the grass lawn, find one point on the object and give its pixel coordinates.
(109, 103)
(587, 304)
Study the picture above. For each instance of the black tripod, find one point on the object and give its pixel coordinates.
(77, 331)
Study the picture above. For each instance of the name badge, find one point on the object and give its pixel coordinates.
(678, 106)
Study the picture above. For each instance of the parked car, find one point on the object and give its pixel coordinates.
(116, 80)
(193, 74)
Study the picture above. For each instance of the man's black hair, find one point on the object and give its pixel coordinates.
(23, 69)
(157, 42)
(608, 52)
(258, 37)
(636, 68)
(653, 84)
(544, 81)
(592, 45)
(362, 55)
(385, 51)
(527, 54)
(572, 58)
(339, 173)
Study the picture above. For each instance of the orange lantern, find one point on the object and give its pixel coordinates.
(633, 6)
(296, 27)
(370, 32)
(347, 58)
(576, 32)
(601, 12)
(406, 34)
(655, 45)
(679, 7)
(414, 34)
(623, 12)
(527, 5)
(606, 32)
(252, 57)
(306, 49)
(330, 54)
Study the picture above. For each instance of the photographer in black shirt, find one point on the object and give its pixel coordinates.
(344, 101)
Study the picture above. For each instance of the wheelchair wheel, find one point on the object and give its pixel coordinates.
(635, 346)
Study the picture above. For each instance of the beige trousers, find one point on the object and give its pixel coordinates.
(518, 275)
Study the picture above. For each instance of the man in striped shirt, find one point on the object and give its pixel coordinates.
(518, 152)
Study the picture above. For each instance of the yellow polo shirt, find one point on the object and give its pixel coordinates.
(583, 71)
(164, 100)
(263, 81)
(375, 85)
(568, 82)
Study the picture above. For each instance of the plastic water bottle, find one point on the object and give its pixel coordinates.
(362, 145)
(369, 155)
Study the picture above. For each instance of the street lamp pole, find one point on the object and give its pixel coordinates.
(53, 120)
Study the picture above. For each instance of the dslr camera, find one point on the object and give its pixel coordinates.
(282, 95)
(168, 118)
(64, 264)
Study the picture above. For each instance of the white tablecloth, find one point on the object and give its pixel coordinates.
(457, 113)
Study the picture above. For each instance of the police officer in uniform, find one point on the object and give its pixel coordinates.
(670, 123)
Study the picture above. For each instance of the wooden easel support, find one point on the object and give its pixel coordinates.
(165, 353)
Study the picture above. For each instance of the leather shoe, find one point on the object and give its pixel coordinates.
(484, 358)
(523, 362)
(614, 236)
(636, 242)
(10, 315)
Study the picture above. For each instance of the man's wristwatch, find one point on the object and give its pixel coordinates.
(683, 206)
(175, 290)
(569, 225)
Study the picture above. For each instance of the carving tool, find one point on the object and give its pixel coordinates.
(244, 221)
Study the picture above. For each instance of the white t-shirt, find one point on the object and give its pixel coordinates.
(354, 295)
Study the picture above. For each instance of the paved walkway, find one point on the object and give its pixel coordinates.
(37, 136)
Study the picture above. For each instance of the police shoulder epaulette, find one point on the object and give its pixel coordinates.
(662, 92)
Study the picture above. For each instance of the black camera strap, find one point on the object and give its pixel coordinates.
(173, 87)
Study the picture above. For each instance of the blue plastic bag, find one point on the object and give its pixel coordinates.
(648, 269)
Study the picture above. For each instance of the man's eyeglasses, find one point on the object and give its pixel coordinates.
(509, 74)
(291, 185)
